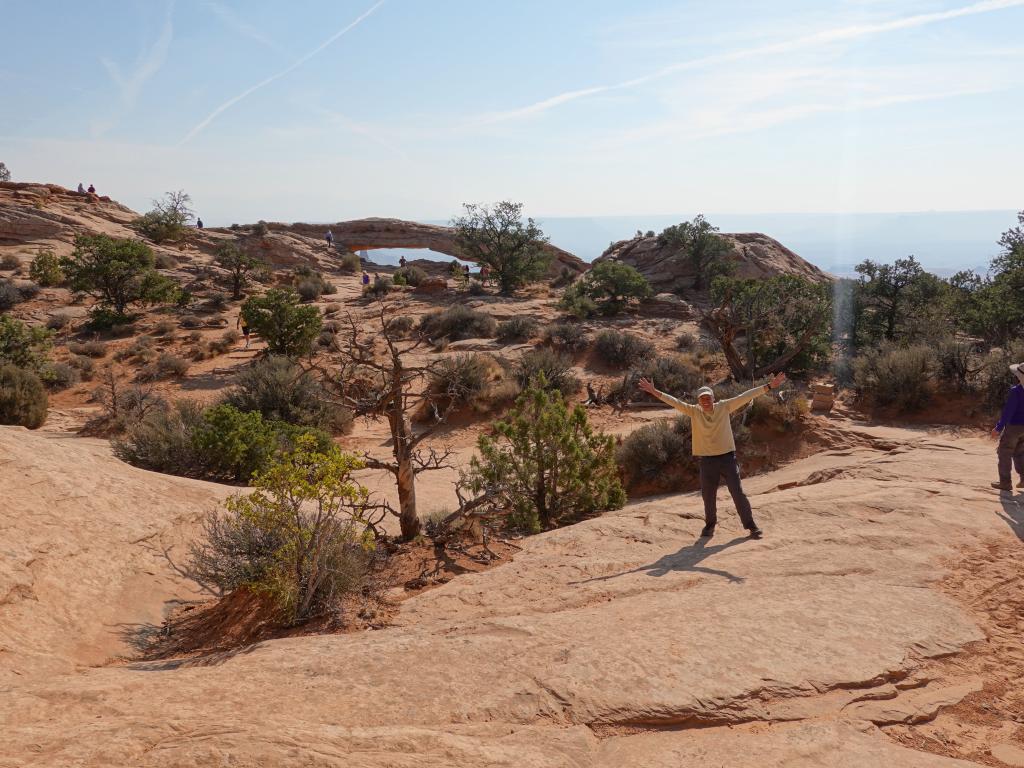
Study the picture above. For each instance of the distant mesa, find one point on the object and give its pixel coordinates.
(755, 256)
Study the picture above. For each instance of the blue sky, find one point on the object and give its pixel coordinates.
(322, 111)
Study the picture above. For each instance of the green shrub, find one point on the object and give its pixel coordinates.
(516, 329)
(609, 285)
(102, 320)
(117, 272)
(351, 262)
(995, 377)
(658, 457)
(546, 463)
(551, 366)
(84, 365)
(168, 219)
(289, 329)
(10, 262)
(234, 443)
(896, 376)
(309, 283)
(22, 345)
(59, 376)
(457, 322)
(308, 290)
(261, 540)
(576, 303)
(568, 336)
(280, 390)
(164, 327)
(9, 295)
(411, 275)
(45, 269)
(23, 399)
(957, 360)
(622, 350)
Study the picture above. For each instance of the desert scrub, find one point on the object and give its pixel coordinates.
(567, 336)
(166, 366)
(516, 329)
(551, 366)
(23, 400)
(619, 349)
(895, 376)
(657, 457)
(457, 322)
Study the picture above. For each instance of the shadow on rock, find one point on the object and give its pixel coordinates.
(685, 560)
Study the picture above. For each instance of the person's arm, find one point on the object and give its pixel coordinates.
(735, 403)
(1009, 409)
(647, 386)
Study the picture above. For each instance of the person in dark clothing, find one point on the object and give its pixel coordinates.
(401, 261)
(1010, 433)
(92, 190)
(199, 223)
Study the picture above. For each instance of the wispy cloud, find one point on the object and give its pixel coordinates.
(146, 65)
(817, 39)
(231, 20)
(198, 128)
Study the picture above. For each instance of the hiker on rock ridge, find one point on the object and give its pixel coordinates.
(1010, 433)
(715, 447)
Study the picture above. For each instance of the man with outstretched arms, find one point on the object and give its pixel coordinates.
(715, 447)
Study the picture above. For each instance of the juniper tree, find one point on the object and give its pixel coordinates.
(118, 272)
(498, 237)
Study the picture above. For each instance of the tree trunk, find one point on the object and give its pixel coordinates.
(401, 435)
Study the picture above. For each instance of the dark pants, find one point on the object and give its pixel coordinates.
(1011, 452)
(712, 469)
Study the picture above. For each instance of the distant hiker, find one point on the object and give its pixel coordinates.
(92, 190)
(485, 274)
(714, 445)
(1010, 432)
(81, 188)
(329, 237)
(199, 223)
(401, 261)
(366, 278)
(240, 323)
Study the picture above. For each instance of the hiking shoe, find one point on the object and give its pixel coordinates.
(708, 532)
(756, 533)
(1002, 486)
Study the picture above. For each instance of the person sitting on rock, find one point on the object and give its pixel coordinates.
(1010, 433)
(366, 278)
(199, 223)
(81, 188)
(92, 190)
(714, 445)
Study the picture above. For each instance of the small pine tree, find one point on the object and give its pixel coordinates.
(288, 328)
(45, 269)
(239, 264)
(546, 463)
(609, 285)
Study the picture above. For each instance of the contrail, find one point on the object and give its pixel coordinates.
(297, 63)
(839, 34)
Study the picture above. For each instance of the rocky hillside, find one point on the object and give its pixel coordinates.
(754, 255)
(877, 625)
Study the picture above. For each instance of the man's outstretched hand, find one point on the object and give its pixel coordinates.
(777, 380)
(647, 386)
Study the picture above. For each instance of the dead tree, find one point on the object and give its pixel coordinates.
(377, 380)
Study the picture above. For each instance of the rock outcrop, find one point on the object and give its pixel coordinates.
(620, 641)
(754, 255)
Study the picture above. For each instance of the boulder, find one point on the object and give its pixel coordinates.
(432, 285)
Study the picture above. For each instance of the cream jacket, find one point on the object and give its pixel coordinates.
(712, 434)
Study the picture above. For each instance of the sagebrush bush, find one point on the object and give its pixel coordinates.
(23, 400)
(84, 365)
(59, 376)
(164, 261)
(410, 275)
(351, 262)
(476, 288)
(457, 322)
(88, 348)
(459, 379)
(381, 286)
(516, 329)
(332, 309)
(166, 366)
(28, 290)
(261, 540)
(9, 295)
(568, 336)
(658, 456)
(957, 361)
(621, 350)
(555, 367)
(164, 327)
(10, 262)
(402, 325)
(161, 440)
(995, 378)
(58, 320)
(678, 375)
(686, 342)
(310, 284)
(280, 390)
(896, 376)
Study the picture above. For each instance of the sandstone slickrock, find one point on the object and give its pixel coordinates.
(566, 656)
(755, 256)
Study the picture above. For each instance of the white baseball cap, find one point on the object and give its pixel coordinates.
(705, 391)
